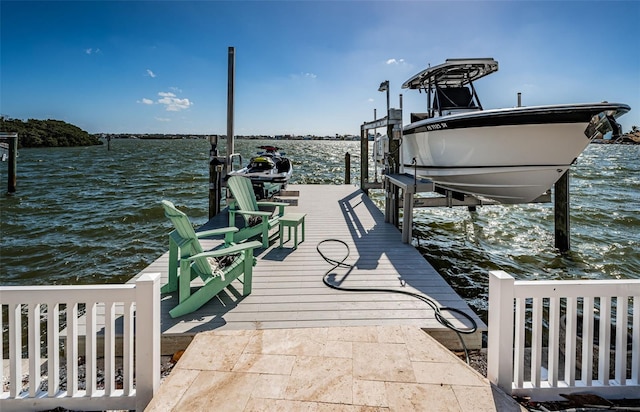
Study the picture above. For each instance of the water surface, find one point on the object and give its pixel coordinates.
(92, 215)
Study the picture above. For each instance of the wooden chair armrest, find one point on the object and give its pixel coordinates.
(254, 213)
(279, 205)
(227, 251)
(265, 203)
(215, 232)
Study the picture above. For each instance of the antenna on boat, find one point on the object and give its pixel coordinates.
(519, 99)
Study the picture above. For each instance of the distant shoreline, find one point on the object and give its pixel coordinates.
(155, 136)
(628, 138)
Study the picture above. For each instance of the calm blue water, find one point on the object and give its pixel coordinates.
(89, 215)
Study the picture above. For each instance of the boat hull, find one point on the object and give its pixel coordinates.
(509, 155)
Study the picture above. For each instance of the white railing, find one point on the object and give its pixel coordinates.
(68, 328)
(548, 338)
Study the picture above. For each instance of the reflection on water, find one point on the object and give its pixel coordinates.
(89, 215)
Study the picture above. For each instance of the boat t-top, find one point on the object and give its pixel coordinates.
(511, 155)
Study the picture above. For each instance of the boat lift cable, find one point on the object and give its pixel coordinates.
(438, 310)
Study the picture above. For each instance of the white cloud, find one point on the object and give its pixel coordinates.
(145, 101)
(394, 61)
(310, 75)
(91, 51)
(150, 73)
(173, 103)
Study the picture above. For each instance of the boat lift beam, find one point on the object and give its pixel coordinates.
(410, 186)
(393, 123)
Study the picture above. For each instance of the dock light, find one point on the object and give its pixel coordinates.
(384, 86)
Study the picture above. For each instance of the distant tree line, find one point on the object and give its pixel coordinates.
(47, 133)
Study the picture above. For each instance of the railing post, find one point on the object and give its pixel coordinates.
(147, 338)
(15, 349)
(500, 339)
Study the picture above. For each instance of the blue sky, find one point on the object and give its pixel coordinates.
(302, 67)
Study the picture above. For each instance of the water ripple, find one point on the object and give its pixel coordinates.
(89, 215)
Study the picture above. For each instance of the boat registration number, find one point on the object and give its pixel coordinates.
(436, 126)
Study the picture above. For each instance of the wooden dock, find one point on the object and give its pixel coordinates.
(288, 289)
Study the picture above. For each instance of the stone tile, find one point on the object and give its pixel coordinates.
(304, 342)
(332, 407)
(267, 364)
(321, 379)
(338, 349)
(382, 362)
(477, 399)
(261, 405)
(369, 393)
(421, 397)
(390, 334)
(218, 391)
(209, 351)
(353, 334)
(280, 405)
(422, 347)
(453, 373)
(270, 386)
(172, 389)
(373, 368)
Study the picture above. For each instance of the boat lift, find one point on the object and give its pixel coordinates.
(393, 182)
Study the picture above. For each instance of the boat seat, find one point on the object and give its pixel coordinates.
(283, 165)
(452, 98)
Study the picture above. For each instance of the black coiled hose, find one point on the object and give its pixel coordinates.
(436, 308)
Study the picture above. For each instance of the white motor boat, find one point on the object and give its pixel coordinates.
(510, 155)
(269, 172)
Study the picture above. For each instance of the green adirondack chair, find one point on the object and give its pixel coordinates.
(248, 207)
(186, 251)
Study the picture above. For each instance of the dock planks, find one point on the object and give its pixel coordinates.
(288, 291)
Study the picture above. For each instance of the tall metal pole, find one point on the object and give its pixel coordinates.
(230, 103)
(375, 148)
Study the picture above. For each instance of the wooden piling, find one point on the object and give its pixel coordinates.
(562, 215)
(364, 160)
(215, 178)
(347, 168)
(12, 140)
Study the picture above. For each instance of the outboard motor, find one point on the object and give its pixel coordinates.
(615, 127)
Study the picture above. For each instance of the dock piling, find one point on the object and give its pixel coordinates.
(347, 168)
(216, 173)
(12, 141)
(561, 213)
